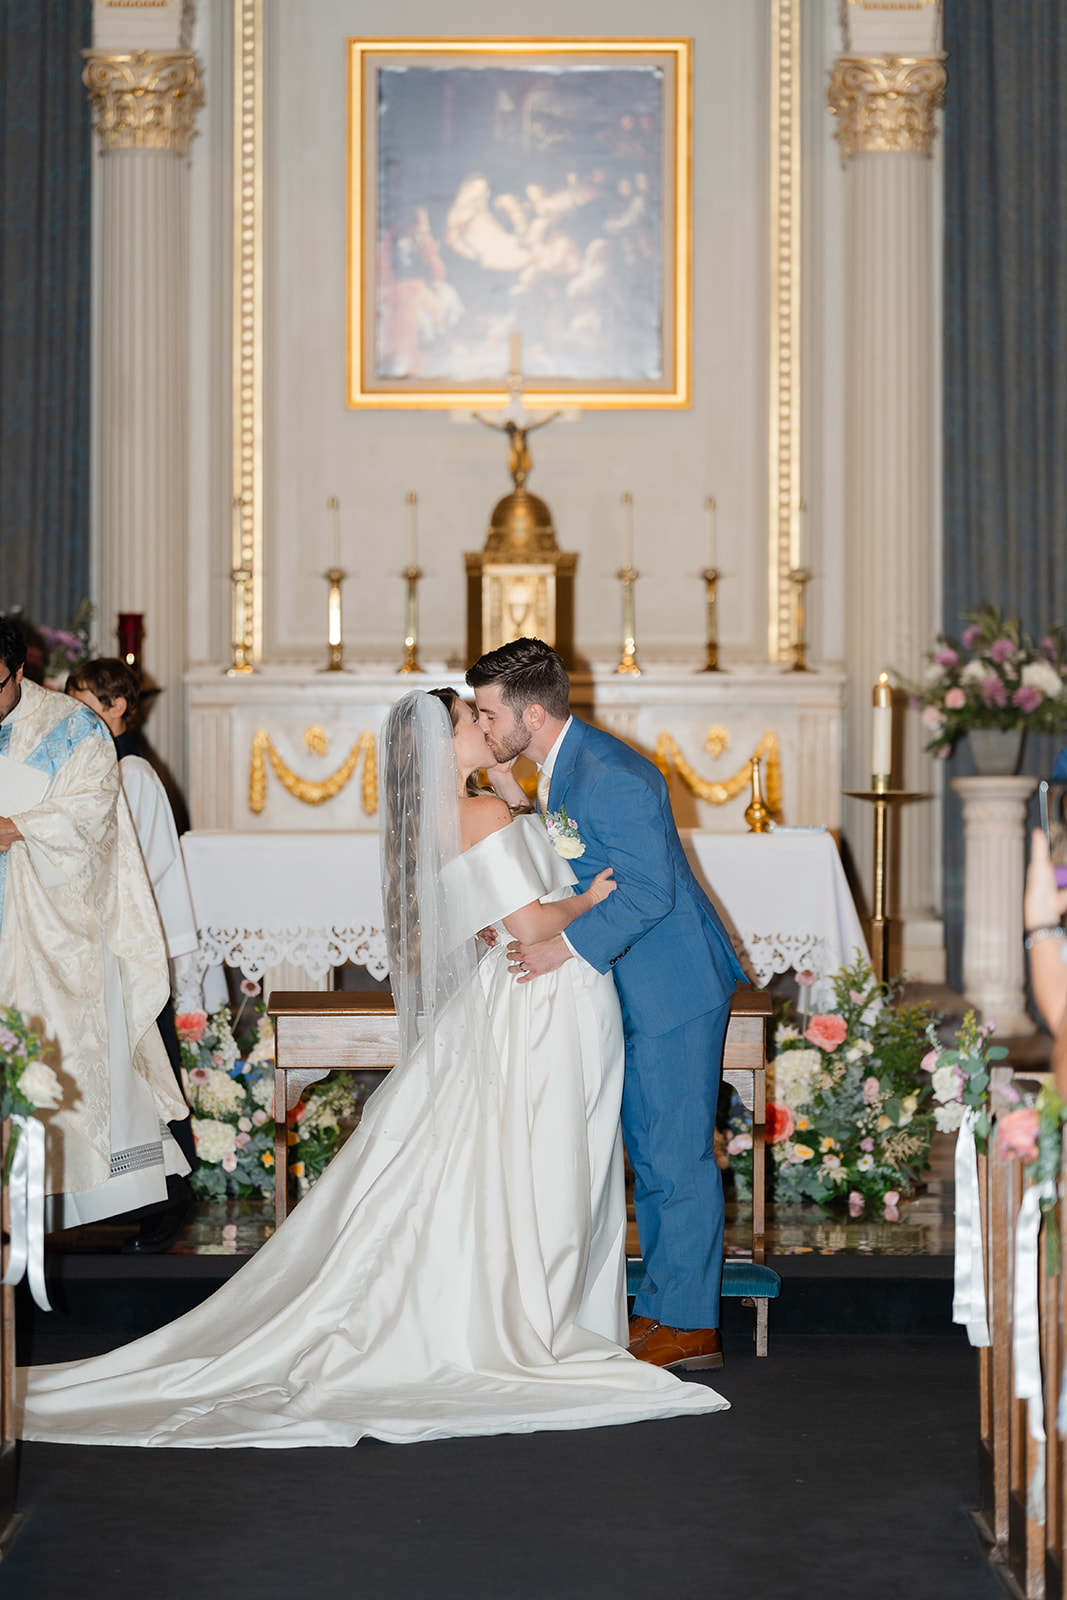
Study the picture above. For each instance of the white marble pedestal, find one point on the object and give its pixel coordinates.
(994, 967)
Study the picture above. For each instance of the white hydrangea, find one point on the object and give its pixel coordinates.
(975, 671)
(221, 1095)
(792, 1076)
(214, 1139)
(1042, 675)
(949, 1117)
(262, 1091)
(946, 1084)
(263, 1049)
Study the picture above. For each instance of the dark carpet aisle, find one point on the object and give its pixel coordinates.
(844, 1470)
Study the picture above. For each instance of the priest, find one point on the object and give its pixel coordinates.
(82, 952)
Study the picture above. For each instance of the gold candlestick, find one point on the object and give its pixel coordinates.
(334, 577)
(240, 644)
(799, 577)
(411, 634)
(757, 815)
(627, 576)
(882, 799)
(711, 576)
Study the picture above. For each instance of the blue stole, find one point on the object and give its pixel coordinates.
(53, 752)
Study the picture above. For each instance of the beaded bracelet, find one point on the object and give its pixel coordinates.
(1054, 930)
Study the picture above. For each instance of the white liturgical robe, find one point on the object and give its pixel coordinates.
(153, 822)
(82, 954)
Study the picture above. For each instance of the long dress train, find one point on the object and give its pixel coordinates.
(458, 1269)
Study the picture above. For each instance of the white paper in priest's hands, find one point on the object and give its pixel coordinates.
(21, 788)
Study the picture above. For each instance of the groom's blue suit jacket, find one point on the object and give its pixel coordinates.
(658, 933)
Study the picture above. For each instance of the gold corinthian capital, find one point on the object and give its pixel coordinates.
(886, 102)
(144, 101)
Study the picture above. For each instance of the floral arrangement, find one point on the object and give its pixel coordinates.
(53, 653)
(850, 1114)
(231, 1096)
(564, 835)
(993, 676)
(27, 1082)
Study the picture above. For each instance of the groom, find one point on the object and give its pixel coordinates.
(674, 969)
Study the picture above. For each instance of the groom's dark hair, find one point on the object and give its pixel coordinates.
(528, 672)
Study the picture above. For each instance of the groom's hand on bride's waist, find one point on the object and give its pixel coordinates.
(526, 961)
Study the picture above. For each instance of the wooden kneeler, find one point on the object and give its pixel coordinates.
(317, 1032)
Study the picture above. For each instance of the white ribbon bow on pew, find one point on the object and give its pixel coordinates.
(26, 1202)
(968, 1300)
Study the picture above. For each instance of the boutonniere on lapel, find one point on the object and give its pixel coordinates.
(563, 832)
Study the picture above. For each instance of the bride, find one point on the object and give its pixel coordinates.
(459, 1267)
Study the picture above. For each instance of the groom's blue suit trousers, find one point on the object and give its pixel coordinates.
(668, 1121)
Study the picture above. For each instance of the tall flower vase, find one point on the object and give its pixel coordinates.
(996, 752)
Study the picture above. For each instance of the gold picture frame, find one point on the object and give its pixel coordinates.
(530, 186)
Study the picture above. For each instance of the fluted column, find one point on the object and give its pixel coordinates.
(885, 126)
(144, 107)
(994, 965)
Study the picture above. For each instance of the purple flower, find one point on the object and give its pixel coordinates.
(1026, 698)
(1048, 645)
(993, 691)
(1001, 649)
(8, 1040)
(947, 657)
(971, 636)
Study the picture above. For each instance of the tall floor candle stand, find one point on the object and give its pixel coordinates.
(882, 799)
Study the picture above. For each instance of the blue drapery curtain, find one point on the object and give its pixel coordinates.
(1005, 338)
(44, 308)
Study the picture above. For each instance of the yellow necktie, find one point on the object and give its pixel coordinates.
(543, 782)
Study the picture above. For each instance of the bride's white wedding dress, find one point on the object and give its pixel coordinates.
(458, 1269)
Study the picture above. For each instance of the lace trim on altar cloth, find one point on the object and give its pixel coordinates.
(316, 950)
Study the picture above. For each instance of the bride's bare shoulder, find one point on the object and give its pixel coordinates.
(479, 816)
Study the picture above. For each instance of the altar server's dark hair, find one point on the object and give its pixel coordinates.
(528, 672)
(107, 677)
(12, 645)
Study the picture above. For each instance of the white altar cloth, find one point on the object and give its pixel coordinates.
(314, 900)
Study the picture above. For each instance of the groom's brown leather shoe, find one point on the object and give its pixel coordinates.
(677, 1349)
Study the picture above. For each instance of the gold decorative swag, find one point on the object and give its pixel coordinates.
(312, 794)
(669, 758)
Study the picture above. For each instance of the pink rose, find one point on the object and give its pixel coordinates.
(229, 1230)
(229, 1163)
(1027, 698)
(259, 1118)
(200, 1075)
(955, 699)
(191, 1026)
(243, 1139)
(870, 1091)
(805, 978)
(1017, 1134)
(890, 1202)
(1001, 650)
(739, 1142)
(827, 1030)
(867, 1144)
(855, 1203)
(932, 719)
(930, 1060)
(779, 1124)
(993, 691)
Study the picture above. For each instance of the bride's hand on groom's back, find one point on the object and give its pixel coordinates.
(602, 885)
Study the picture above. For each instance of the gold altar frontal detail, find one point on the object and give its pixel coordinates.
(521, 585)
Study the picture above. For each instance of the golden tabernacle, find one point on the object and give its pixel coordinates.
(521, 584)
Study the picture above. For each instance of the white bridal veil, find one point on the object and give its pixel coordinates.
(432, 963)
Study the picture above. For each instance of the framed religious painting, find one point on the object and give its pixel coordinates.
(519, 203)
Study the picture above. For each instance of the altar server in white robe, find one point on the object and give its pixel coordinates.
(82, 951)
(112, 690)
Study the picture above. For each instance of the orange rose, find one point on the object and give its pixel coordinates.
(826, 1030)
(779, 1123)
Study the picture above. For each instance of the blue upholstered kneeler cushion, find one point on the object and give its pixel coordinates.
(740, 1279)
